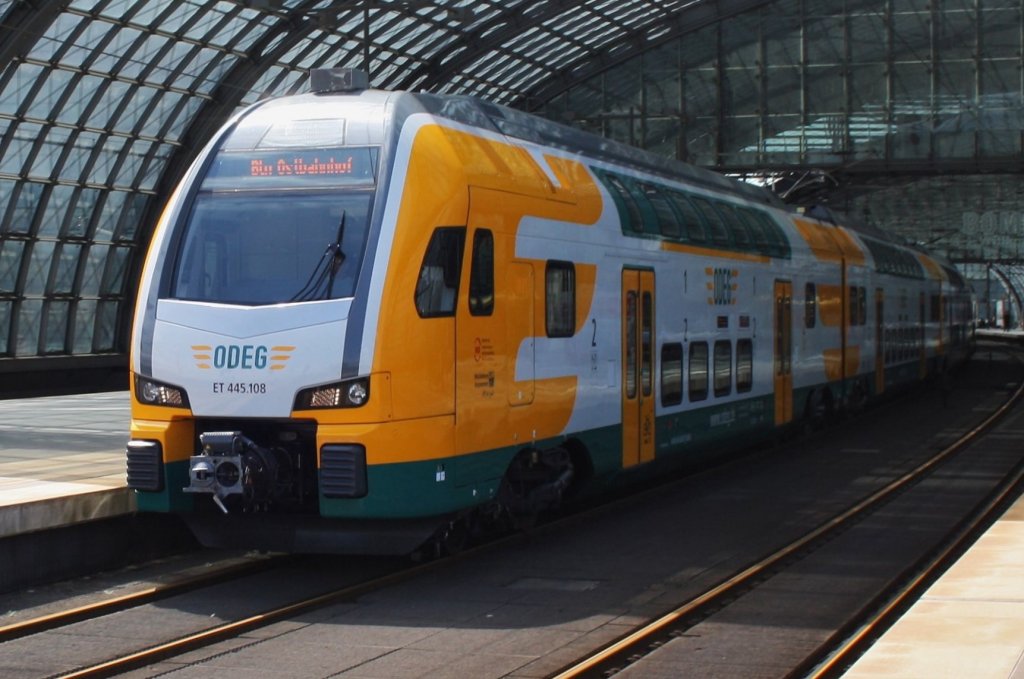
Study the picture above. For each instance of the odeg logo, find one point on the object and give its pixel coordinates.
(241, 356)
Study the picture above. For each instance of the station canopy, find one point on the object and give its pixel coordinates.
(905, 114)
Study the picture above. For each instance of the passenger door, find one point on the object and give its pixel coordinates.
(637, 366)
(783, 352)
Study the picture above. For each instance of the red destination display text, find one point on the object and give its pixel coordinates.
(299, 167)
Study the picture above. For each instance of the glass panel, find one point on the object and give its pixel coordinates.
(744, 365)
(155, 167)
(235, 251)
(134, 110)
(127, 173)
(10, 264)
(24, 212)
(7, 188)
(39, 267)
(560, 299)
(110, 213)
(46, 97)
(106, 326)
(117, 266)
(93, 270)
(112, 54)
(102, 115)
(481, 276)
(49, 152)
(723, 368)
(13, 159)
(67, 267)
(698, 371)
(671, 374)
(17, 90)
(78, 227)
(56, 326)
(76, 160)
(85, 322)
(56, 210)
(5, 326)
(29, 319)
(106, 160)
(134, 210)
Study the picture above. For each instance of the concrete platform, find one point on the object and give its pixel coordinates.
(62, 461)
(970, 623)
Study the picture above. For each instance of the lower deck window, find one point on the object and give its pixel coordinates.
(744, 365)
(672, 374)
(723, 368)
(698, 375)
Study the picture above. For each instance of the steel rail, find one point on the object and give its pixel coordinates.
(842, 653)
(230, 629)
(627, 644)
(136, 598)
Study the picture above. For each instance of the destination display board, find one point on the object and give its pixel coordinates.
(241, 170)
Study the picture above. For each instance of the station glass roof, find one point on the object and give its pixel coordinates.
(103, 103)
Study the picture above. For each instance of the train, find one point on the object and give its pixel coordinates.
(370, 321)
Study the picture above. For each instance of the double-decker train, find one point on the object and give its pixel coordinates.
(368, 319)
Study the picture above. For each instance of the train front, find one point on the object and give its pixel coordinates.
(242, 345)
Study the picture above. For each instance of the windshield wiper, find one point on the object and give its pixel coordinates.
(326, 270)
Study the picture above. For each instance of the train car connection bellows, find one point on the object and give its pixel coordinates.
(323, 80)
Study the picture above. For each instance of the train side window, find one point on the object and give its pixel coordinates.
(698, 371)
(636, 221)
(757, 231)
(744, 365)
(560, 299)
(780, 246)
(810, 305)
(852, 304)
(693, 223)
(481, 274)
(668, 223)
(737, 228)
(862, 305)
(719, 231)
(671, 374)
(723, 367)
(437, 288)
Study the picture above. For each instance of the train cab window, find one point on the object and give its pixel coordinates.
(723, 367)
(437, 288)
(692, 228)
(810, 305)
(698, 371)
(560, 299)
(671, 374)
(716, 225)
(481, 274)
(744, 365)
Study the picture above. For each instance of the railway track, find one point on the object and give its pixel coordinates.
(633, 648)
(838, 651)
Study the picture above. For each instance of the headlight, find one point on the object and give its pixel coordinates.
(156, 393)
(348, 394)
